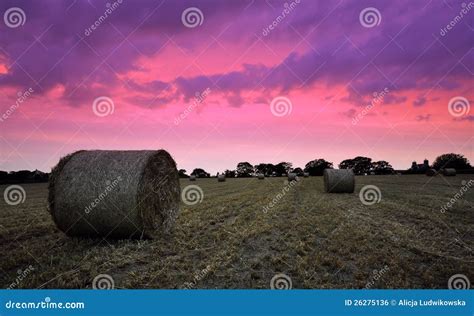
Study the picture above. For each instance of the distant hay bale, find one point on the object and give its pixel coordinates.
(192, 178)
(261, 176)
(306, 174)
(292, 176)
(221, 178)
(119, 194)
(448, 172)
(431, 172)
(339, 180)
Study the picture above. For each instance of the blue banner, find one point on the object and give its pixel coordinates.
(237, 302)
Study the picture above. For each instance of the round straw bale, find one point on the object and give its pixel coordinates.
(221, 178)
(118, 194)
(192, 178)
(306, 174)
(449, 172)
(339, 180)
(261, 176)
(431, 172)
(292, 176)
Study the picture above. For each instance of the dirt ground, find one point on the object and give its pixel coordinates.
(234, 238)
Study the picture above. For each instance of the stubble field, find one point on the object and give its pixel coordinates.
(234, 238)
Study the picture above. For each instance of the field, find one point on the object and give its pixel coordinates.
(234, 239)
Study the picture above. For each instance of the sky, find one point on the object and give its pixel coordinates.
(219, 82)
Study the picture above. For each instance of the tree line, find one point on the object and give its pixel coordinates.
(360, 165)
(23, 176)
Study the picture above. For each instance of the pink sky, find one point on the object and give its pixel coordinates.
(319, 57)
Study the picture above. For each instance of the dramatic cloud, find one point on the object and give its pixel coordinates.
(406, 51)
(419, 101)
(421, 118)
(469, 118)
(318, 54)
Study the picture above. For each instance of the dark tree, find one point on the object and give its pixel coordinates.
(299, 172)
(260, 168)
(265, 168)
(382, 167)
(360, 165)
(200, 173)
(456, 161)
(244, 169)
(3, 177)
(23, 176)
(317, 166)
(270, 170)
(182, 173)
(229, 173)
(283, 167)
(39, 176)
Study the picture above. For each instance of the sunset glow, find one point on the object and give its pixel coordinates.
(152, 67)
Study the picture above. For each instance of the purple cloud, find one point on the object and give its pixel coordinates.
(469, 118)
(421, 118)
(404, 52)
(419, 101)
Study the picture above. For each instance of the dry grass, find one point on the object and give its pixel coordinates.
(320, 240)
